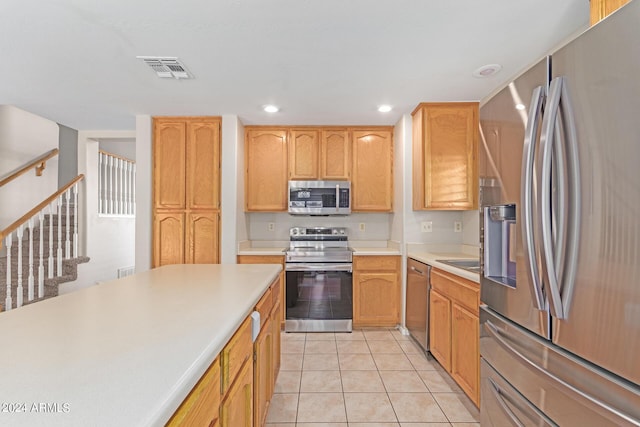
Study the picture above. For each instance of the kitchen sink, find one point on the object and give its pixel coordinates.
(472, 265)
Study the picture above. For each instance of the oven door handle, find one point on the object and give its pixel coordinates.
(319, 266)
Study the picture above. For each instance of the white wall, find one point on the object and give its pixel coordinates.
(124, 148)
(143, 192)
(232, 200)
(108, 241)
(471, 228)
(23, 137)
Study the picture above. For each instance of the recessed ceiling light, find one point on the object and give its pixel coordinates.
(271, 108)
(520, 107)
(384, 108)
(487, 70)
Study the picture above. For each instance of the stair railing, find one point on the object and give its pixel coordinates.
(38, 164)
(116, 185)
(49, 206)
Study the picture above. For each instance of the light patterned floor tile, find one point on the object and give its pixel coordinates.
(291, 362)
(403, 382)
(292, 346)
(293, 336)
(321, 425)
(392, 362)
(465, 424)
(362, 382)
(321, 407)
(453, 405)
(321, 336)
(288, 382)
(409, 347)
(353, 347)
(416, 407)
(320, 362)
(369, 407)
(356, 362)
(378, 335)
(320, 347)
(437, 381)
(384, 346)
(399, 337)
(373, 424)
(321, 381)
(283, 408)
(425, 425)
(421, 363)
(350, 336)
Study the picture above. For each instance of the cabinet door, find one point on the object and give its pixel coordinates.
(202, 246)
(450, 155)
(276, 318)
(262, 372)
(266, 170)
(600, 9)
(465, 353)
(335, 155)
(201, 407)
(168, 239)
(304, 148)
(203, 164)
(440, 328)
(237, 407)
(376, 299)
(169, 164)
(372, 173)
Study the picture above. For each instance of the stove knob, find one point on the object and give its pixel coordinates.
(294, 231)
(341, 231)
(303, 231)
(334, 231)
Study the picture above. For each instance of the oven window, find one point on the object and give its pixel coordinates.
(319, 295)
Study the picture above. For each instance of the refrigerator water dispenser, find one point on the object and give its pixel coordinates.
(500, 244)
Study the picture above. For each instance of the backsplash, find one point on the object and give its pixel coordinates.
(376, 225)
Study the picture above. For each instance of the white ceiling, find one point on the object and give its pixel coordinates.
(321, 61)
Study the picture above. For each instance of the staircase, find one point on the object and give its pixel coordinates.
(51, 282)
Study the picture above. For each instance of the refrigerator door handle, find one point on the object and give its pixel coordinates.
(544, 163)
(528, 156)
(501, 338)
(497, 393)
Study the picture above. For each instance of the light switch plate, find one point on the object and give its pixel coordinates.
(457, 226)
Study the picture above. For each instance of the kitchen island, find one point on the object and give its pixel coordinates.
(125, 352)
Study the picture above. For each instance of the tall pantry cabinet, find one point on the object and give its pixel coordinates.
(186, 190)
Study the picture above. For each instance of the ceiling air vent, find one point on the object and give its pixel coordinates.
(166, 67)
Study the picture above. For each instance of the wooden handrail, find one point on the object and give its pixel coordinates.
(116, 156)
(24, 218)
(37, 163)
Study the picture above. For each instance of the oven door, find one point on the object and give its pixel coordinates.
(319, 297)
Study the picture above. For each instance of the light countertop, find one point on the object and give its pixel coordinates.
(430, 258)
(125, 352)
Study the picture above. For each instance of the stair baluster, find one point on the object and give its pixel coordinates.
(121, 165)
(51, 207)
(67, 241)
(133, 193)
(75, 220)
(100, 178)
(19, 290)
(127, 169)
(41, 257)
(8, 303)
(110, 169)
(30, 283)
(59, 253)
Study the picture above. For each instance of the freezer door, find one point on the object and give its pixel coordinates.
(599, 318)
(503, 406)
(569, 391)
(503, 122)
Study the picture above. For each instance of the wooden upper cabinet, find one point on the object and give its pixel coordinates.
(304, 148)
(203, 164)
(600, 9)
(266, 170)
(372, 172)
(169, 164)
(445, 153)
(335, 155)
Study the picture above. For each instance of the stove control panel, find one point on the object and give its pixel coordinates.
(318, 231)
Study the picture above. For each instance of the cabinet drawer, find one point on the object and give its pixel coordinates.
(264, 306)
(238, 349)
(376, 263)
(200, 408)
(463, 291)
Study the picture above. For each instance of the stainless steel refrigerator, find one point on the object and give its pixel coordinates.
(560, 236)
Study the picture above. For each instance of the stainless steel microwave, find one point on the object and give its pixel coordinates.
(319, 197)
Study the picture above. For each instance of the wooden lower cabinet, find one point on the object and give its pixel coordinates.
(236, 409)
(440, 329)
(276, 315)
(376, 290)
(268, 259)
(262, 372)
(454, 329)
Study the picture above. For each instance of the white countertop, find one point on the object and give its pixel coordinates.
(126, 352)
(431, 257)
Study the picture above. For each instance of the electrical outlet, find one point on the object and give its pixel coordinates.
(362, 226)
(426, 226)
(271, 226)
(457, 226)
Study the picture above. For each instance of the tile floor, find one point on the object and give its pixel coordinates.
(369, 378)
